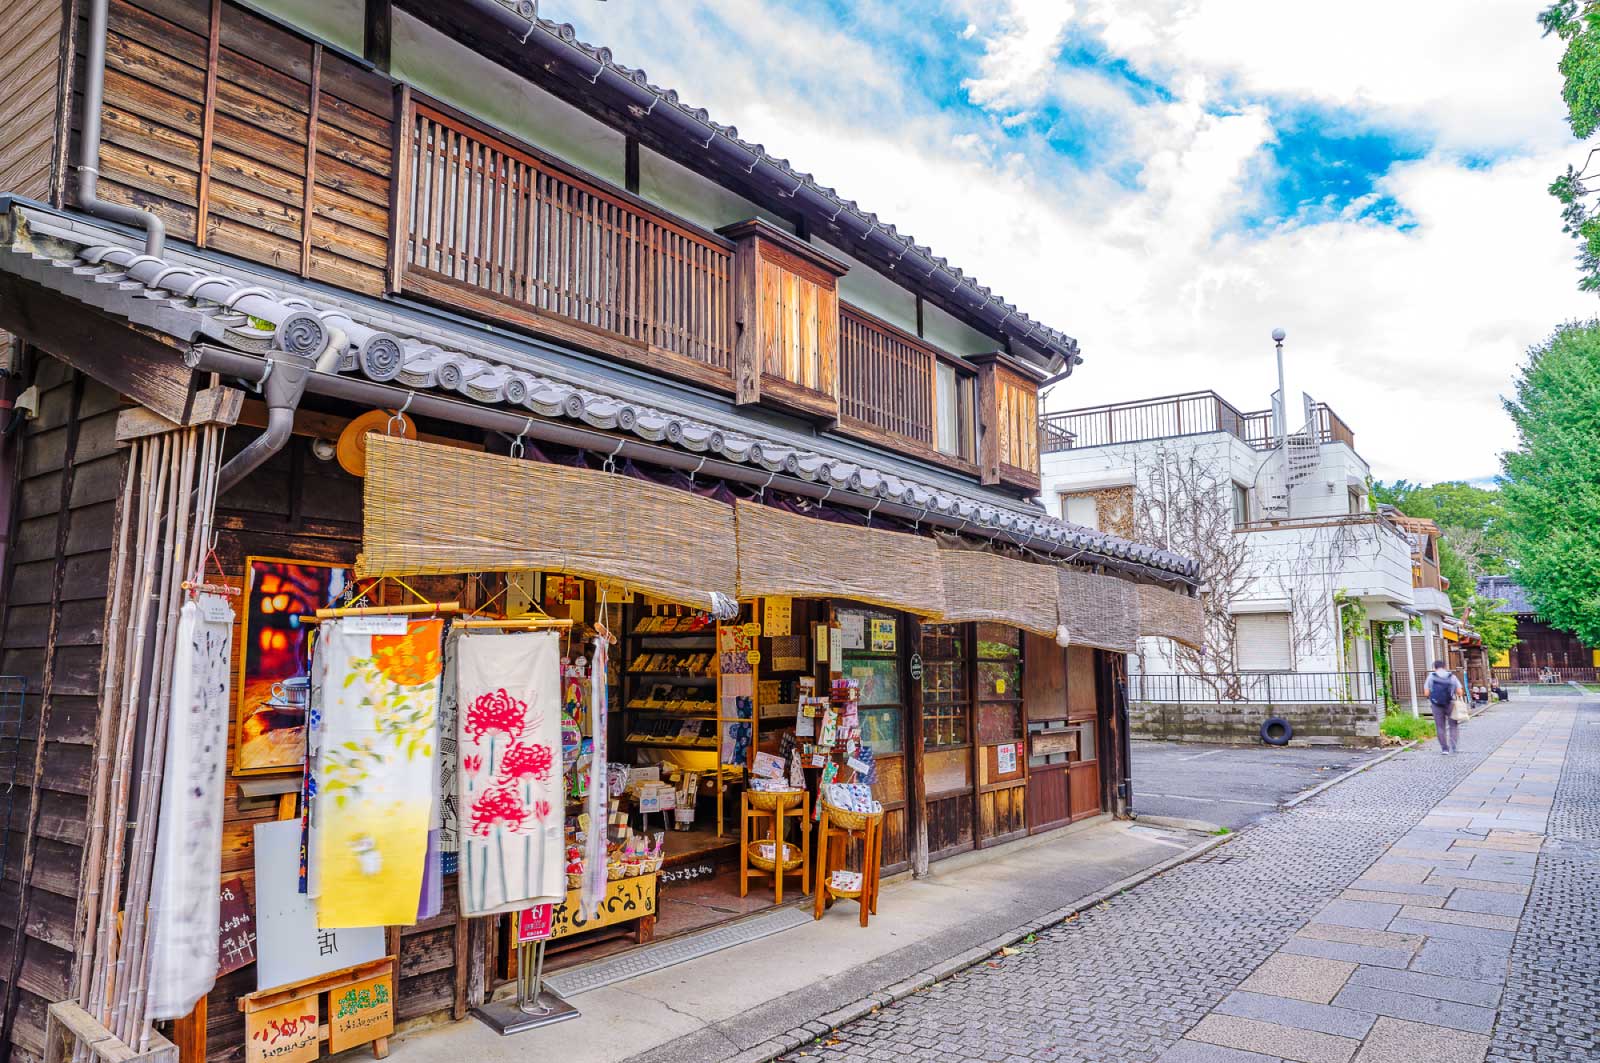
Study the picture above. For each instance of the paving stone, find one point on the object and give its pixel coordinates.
(1302, 977)
(1449, 1013)
(1483, 994)
(1304, 1046)
(1394, 871)
(1452, 882)
(1486, 902)
(1366, 914)
(1415, 900)
(1355, 935)
(1453, 931)
(1299, 1014)
(1338, 950)
(1462, 918)
(1398, 1041)
(1200, 1052)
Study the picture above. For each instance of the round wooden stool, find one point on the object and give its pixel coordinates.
(763, 817)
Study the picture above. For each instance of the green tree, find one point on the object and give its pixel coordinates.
(1471, 518)
(1551, 485)
(1462, 584)
(1498, 630)
(1577, 22)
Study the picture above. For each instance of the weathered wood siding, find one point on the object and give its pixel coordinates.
(70, 482)
(29, 65)
(277, 150)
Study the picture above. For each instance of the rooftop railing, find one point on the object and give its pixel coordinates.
(1189, 413)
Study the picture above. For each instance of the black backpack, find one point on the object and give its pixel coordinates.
(1441, 692)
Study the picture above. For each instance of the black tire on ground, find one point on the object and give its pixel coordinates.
(1276, 731)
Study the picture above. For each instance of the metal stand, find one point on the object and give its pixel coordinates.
(534, 1005)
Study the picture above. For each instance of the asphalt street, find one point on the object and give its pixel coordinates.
(1230, 786)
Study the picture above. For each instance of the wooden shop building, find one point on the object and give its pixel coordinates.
(621, 366)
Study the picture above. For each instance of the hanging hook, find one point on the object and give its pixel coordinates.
(873, 510)
(397, 422)
(611, 460)
(826, 495)
(924, 513)
(762, 494)
(517, 449)
(697, 468)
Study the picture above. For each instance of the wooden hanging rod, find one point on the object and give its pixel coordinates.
(391, 610)
(521, 623)
(211, 588)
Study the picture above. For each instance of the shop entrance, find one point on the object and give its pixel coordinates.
(1063, 740)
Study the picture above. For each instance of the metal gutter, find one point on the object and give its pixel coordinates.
(250, 367)
(88, 166)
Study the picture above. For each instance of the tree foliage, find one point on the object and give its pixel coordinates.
(1577, 22)
(1551, 486)
(1454, 568)
(1498, 630)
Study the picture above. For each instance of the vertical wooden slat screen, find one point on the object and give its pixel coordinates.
(887, 379)
(487, 216)
(1018, 402)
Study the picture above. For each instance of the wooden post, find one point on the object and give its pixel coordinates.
(916, 749)
(747, 323)
(189, 1034)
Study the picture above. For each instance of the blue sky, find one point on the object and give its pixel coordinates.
(1167, 180)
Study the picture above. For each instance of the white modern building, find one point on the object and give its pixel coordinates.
(1296, 563)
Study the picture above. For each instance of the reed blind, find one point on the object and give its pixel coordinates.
(787, 554)
(1167, 614)
(431, 510)
(984, 586)
(1099, 611)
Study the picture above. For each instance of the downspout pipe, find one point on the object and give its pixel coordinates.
(88, 167)
(281, 390)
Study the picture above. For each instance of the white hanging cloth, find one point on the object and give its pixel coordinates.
(185, 906)
(508, 705)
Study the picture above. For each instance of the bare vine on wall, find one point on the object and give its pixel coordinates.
(1184, 503)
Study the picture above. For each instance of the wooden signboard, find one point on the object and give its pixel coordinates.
(626, 898)
(361, 1012)
(282, 1033)
(236, 937)
(1047, 742)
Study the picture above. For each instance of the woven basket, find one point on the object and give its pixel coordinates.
(839, 817)
(792, 858)
(768, 801)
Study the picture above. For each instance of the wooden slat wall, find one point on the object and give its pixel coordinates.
(799, 316)
(220, 121)
(71, 480)
(29, 66)
(486, 215)
(1017, 418)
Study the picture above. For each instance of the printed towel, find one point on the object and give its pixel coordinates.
(185, 906)
(508, 697)
(375, 770)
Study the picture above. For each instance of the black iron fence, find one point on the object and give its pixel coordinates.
(1267, 688)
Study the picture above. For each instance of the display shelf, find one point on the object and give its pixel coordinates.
(662, 743)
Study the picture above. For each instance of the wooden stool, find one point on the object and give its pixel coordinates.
(771, 812)
(833, 837)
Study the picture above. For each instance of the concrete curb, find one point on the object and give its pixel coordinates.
(1178, 823)
(824, 1024)
(1306, 795)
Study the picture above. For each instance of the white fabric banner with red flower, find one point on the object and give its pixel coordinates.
(508, 703)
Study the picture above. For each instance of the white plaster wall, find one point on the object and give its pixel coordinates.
(1327, 492)
(692, 197)
(459, 76)
(866, 289)
(957, 337)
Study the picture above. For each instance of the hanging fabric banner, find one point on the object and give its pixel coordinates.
(447, 811)
(595, 802)
(185, 905)
(375, 768)
(509, 707)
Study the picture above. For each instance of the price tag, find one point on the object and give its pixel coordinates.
(999, 686)
(388, 624)
(215, 609)
(754, 656)
(752, 629)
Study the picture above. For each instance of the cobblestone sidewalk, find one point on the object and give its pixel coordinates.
(1248, 951)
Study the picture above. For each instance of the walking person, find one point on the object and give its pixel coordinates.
(1443, 689)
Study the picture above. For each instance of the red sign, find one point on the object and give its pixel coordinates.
(534, 924)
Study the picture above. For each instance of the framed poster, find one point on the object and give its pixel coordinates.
(274, 659)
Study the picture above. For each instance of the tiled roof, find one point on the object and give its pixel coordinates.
(1507, 590)
(193, 297)
(912, 253)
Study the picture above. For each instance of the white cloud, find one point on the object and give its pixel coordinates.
(1411, 335)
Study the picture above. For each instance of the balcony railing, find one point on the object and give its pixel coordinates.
(1178, 415)
(485, 216)
(1336, 520)
(1264, 688)
(1132, 422)
(888, 378)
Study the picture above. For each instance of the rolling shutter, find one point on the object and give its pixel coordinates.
(1262, 642)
